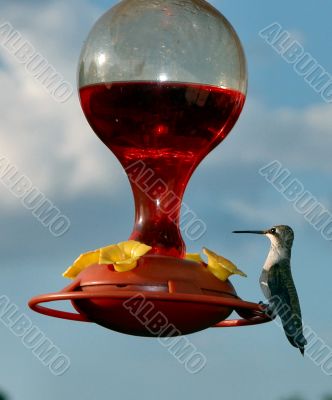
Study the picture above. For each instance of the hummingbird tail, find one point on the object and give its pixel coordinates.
(292, 324)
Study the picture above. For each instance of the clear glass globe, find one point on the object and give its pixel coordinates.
(163, 40)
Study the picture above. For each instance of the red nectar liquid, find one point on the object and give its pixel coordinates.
(160, 131)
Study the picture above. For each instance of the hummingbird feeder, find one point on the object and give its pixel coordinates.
(162, 83)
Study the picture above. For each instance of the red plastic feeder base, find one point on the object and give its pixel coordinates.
(162, 296)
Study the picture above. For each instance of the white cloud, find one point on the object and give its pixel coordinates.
(51, 143)
(299, 138)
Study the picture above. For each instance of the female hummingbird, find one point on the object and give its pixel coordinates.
(277, 283)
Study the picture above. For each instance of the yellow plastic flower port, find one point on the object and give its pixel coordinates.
(194, 257)
(82, 262)
(220, 267)
(123, 256)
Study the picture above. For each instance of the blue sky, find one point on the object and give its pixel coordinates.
(283, 119)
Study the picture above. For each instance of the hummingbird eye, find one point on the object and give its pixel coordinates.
(273, 230)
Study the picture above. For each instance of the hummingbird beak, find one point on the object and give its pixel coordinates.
(255, 232)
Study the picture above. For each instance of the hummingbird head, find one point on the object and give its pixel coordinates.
(281, 236)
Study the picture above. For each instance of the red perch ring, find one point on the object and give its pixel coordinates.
(163, 296)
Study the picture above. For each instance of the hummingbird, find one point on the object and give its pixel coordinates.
(278, 286)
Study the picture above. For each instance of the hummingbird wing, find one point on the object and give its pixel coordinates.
(285, 300)
(263, 280)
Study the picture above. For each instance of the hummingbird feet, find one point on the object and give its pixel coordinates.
(263, 305)
(267, 309)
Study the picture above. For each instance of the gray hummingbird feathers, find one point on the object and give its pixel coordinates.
(278, 286)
